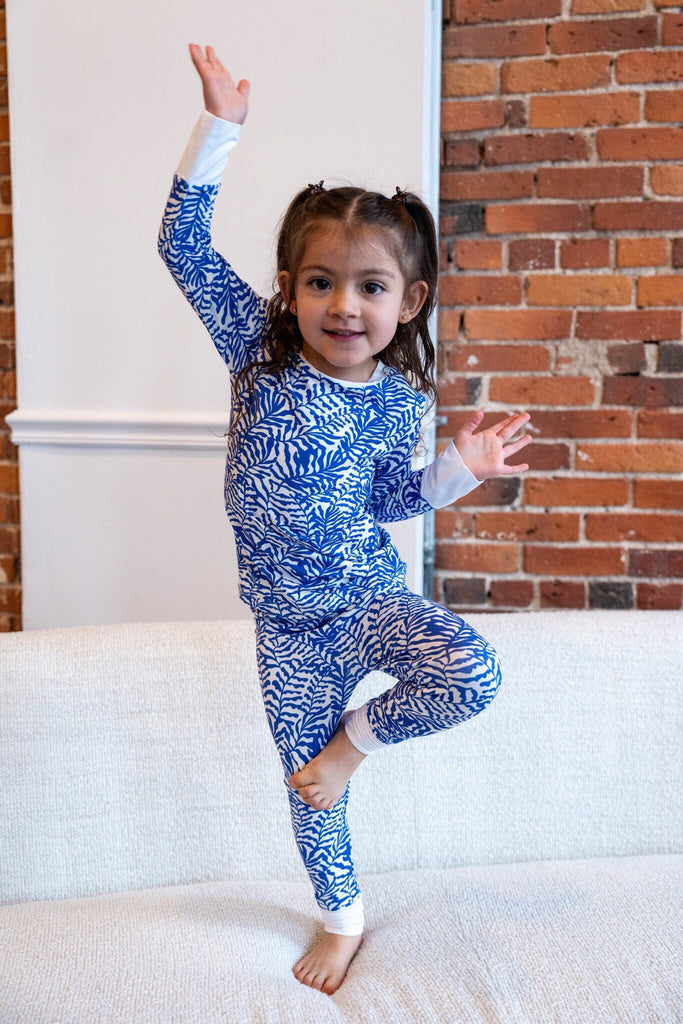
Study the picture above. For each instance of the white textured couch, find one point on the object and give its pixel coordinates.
(520, 868)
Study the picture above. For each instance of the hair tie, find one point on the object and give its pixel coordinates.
(314, 190)
(401, 196)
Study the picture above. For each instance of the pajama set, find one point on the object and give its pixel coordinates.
(313, 467)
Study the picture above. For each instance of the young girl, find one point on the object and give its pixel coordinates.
(330, 380)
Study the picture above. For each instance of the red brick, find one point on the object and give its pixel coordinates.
(500, 491)
(555, 75)
(606, 6)
(477, 11)
(9, 478)
(487, 358)
(525, 391)
(644, 216)
(578, 290)
(9, 540)
(563, 594)
(487, 291)
(577, 423)
(589, 182)
(7, 327)
(534, 217)
(665, 596)
(456, 392)
(667, 180)
(627, 358)
(582, 253)
(603, 34)
(640, 143)
(471, 115)
(658, 493)
(582, 491)
(634, 325)
(672, 30)
(656, 563)
(462, 153)
(512, 593)
(10, 598)
(460, 79)
(677, 253)
(449, 324)
(660, 423)
(478, 254)
(522, 149)
(527, 526)
(472, 557)
(660, 290)
(654, 66)
(451, 523)
(583, 110)
(466, 185)
(494, 41)
(634, 457)
(664, 105)
(573, 560)
(464, 593)
(547, 457)
(650, 392)
(7, 569)
(641, 252)
(614, 526)
(531, 254)
(519, 324)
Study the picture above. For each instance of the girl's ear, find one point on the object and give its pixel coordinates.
(283, 283)
(413, 301)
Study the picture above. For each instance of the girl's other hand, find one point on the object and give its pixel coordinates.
(222, 97)
(484, 453)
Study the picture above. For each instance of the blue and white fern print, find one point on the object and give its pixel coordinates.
(312, 469)
(445, 673)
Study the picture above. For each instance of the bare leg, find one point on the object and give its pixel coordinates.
(325, 966)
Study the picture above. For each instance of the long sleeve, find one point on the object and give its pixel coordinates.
(396, 490)
(229, 308)
(447, 478)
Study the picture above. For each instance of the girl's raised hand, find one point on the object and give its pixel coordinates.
(222, 97)
(484, 453)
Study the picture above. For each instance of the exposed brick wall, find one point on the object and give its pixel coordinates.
(10, 587)
(561, 288)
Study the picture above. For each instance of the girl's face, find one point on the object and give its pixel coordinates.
(348, 297)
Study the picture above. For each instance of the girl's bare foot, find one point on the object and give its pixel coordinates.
(325, 966)
(322, 781)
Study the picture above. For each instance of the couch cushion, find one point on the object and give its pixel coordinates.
(573, 942)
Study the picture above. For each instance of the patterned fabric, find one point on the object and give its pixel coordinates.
(313, 471)
(313, 466)
(445, 673)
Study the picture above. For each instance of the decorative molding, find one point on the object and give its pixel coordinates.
(61, 429)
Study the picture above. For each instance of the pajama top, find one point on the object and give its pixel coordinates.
(317, 464)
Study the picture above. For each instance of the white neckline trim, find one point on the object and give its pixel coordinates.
(378, 374)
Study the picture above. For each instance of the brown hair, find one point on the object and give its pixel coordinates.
(410, 235)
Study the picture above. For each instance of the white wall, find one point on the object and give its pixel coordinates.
(122, 398)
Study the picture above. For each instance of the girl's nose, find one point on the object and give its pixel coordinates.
(343, 302)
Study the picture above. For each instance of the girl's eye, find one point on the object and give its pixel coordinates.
(319, 283)
(373, 288)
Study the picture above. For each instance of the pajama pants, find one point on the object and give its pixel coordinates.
(445, 674)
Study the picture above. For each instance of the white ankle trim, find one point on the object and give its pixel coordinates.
(346, 920)
(359, 732)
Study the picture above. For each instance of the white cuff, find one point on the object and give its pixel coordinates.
(447, 479)
(346, 920)
(359, 732)
(206, 154)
